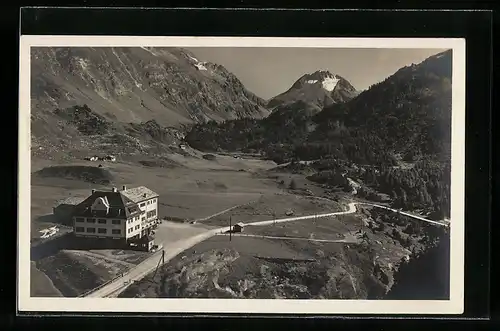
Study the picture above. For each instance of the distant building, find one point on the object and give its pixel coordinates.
(64, 209)
(127, 215)
(110, 158)
(238, 227)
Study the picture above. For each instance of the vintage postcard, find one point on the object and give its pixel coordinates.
(241, 175)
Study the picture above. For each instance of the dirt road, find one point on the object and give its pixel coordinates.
(442, 223)
(347, 240)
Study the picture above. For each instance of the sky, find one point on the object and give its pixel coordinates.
(268, 72)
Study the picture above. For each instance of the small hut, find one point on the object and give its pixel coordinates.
(238, 227)
(147, 242)
(64, 209)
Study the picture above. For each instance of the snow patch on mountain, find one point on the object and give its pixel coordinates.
(149, 51)
(200, 66)
(329, 83)
(193, 58)
(137, 84)
(312, 81)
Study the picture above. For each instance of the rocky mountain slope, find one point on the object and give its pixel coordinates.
(138, 84)
(316, 90)
(103, 89)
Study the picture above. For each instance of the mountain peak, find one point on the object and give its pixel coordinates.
(327, 80)
(318, 89)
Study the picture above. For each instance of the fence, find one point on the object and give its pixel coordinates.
(95, 289)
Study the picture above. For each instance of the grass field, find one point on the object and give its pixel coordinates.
(270, 206)
(327, 228)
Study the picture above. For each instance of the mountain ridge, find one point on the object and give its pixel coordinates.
(318, 89)
(134, 84)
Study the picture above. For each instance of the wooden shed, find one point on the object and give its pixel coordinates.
(64, 209)
(147, 242)
(238, 227)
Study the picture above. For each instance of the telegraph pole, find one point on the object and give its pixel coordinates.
(230, 228)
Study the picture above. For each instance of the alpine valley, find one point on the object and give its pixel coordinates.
(375, 163)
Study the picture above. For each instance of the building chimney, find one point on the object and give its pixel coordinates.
(124, 188)
(114, 189)
(93, 191)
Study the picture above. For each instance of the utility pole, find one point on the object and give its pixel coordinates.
(230, 228)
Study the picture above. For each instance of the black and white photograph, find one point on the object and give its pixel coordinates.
(241, 174)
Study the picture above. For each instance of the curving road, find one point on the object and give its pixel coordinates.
(117, 286)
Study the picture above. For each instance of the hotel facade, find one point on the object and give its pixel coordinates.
(127, 215)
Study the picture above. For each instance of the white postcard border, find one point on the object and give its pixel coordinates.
(259, 306)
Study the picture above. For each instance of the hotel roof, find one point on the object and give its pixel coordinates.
(122, 204)
(138, 194)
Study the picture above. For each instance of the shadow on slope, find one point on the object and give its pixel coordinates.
(426, 277)
(79, 172)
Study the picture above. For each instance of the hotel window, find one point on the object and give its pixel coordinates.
(101, 221)
(90, 220)
(116, 222)
(80, 219)
(101, 230)
(137, 227)
(116, 231)
(91, 230)
(80, 229)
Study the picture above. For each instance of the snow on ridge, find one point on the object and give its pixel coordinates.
(312, 81)
(329, 83)
(192, 58)
(149, 50)
(200, 65)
